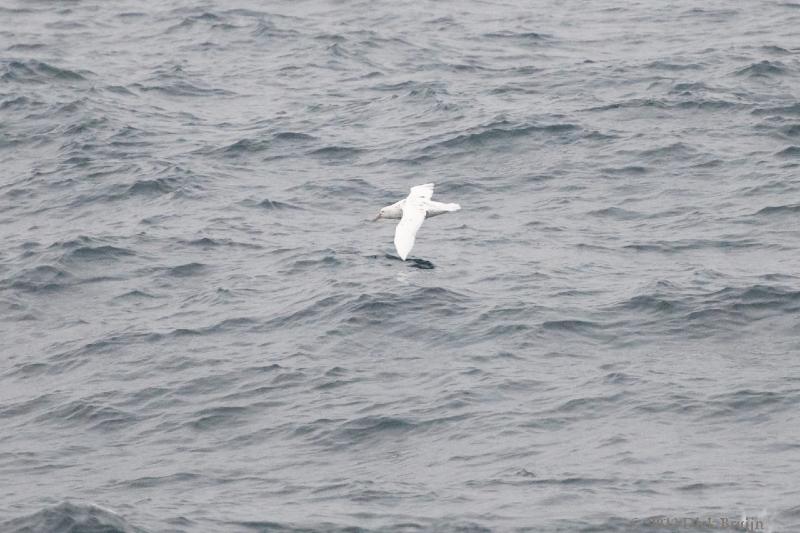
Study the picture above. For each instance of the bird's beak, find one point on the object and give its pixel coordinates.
(377, 217)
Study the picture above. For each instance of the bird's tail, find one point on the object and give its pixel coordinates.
(450, 207)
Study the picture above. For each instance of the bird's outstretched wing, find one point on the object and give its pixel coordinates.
(406, 231)
(422, 191)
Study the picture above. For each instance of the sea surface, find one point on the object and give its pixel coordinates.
(201, 330)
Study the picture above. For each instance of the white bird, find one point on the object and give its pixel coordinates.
(412, 211)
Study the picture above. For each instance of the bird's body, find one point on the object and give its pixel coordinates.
(412, 212)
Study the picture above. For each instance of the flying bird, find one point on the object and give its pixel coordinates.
(412, 211)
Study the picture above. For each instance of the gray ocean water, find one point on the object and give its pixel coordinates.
(201, 331)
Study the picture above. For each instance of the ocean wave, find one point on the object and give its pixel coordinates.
(217, 418)
(336, 152)
(709, 104)
(361, 429)
(374, 306)
(135, 294)
(793, 109)
(174, 80)
(789, 152)
(694, 244)
(89, 415)
(313, 264)
(791, 130)
(672, 66)
(71, 518)
(22, 408)
(572, 326)
(345, 311)
(31, 71)
(182, 88)
(209, 242)
(789, 209)
(527, 36)
(617, 213)
(749, 404)
(282, 142)
(186, 270)
(19, 102)
(273, 205)
(241, 324)
(42, 278)
(653, 303)
(407, 525)
(91, 254)
(414, 87)
(729, 309)
(501, 131)
(180, 478)
(763, 69)
(337, 188)
(371, 429)
(150, 187)
(165, 179)
(631, 170)
(267, 29)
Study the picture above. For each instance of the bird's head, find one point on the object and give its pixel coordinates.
(381, 214)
